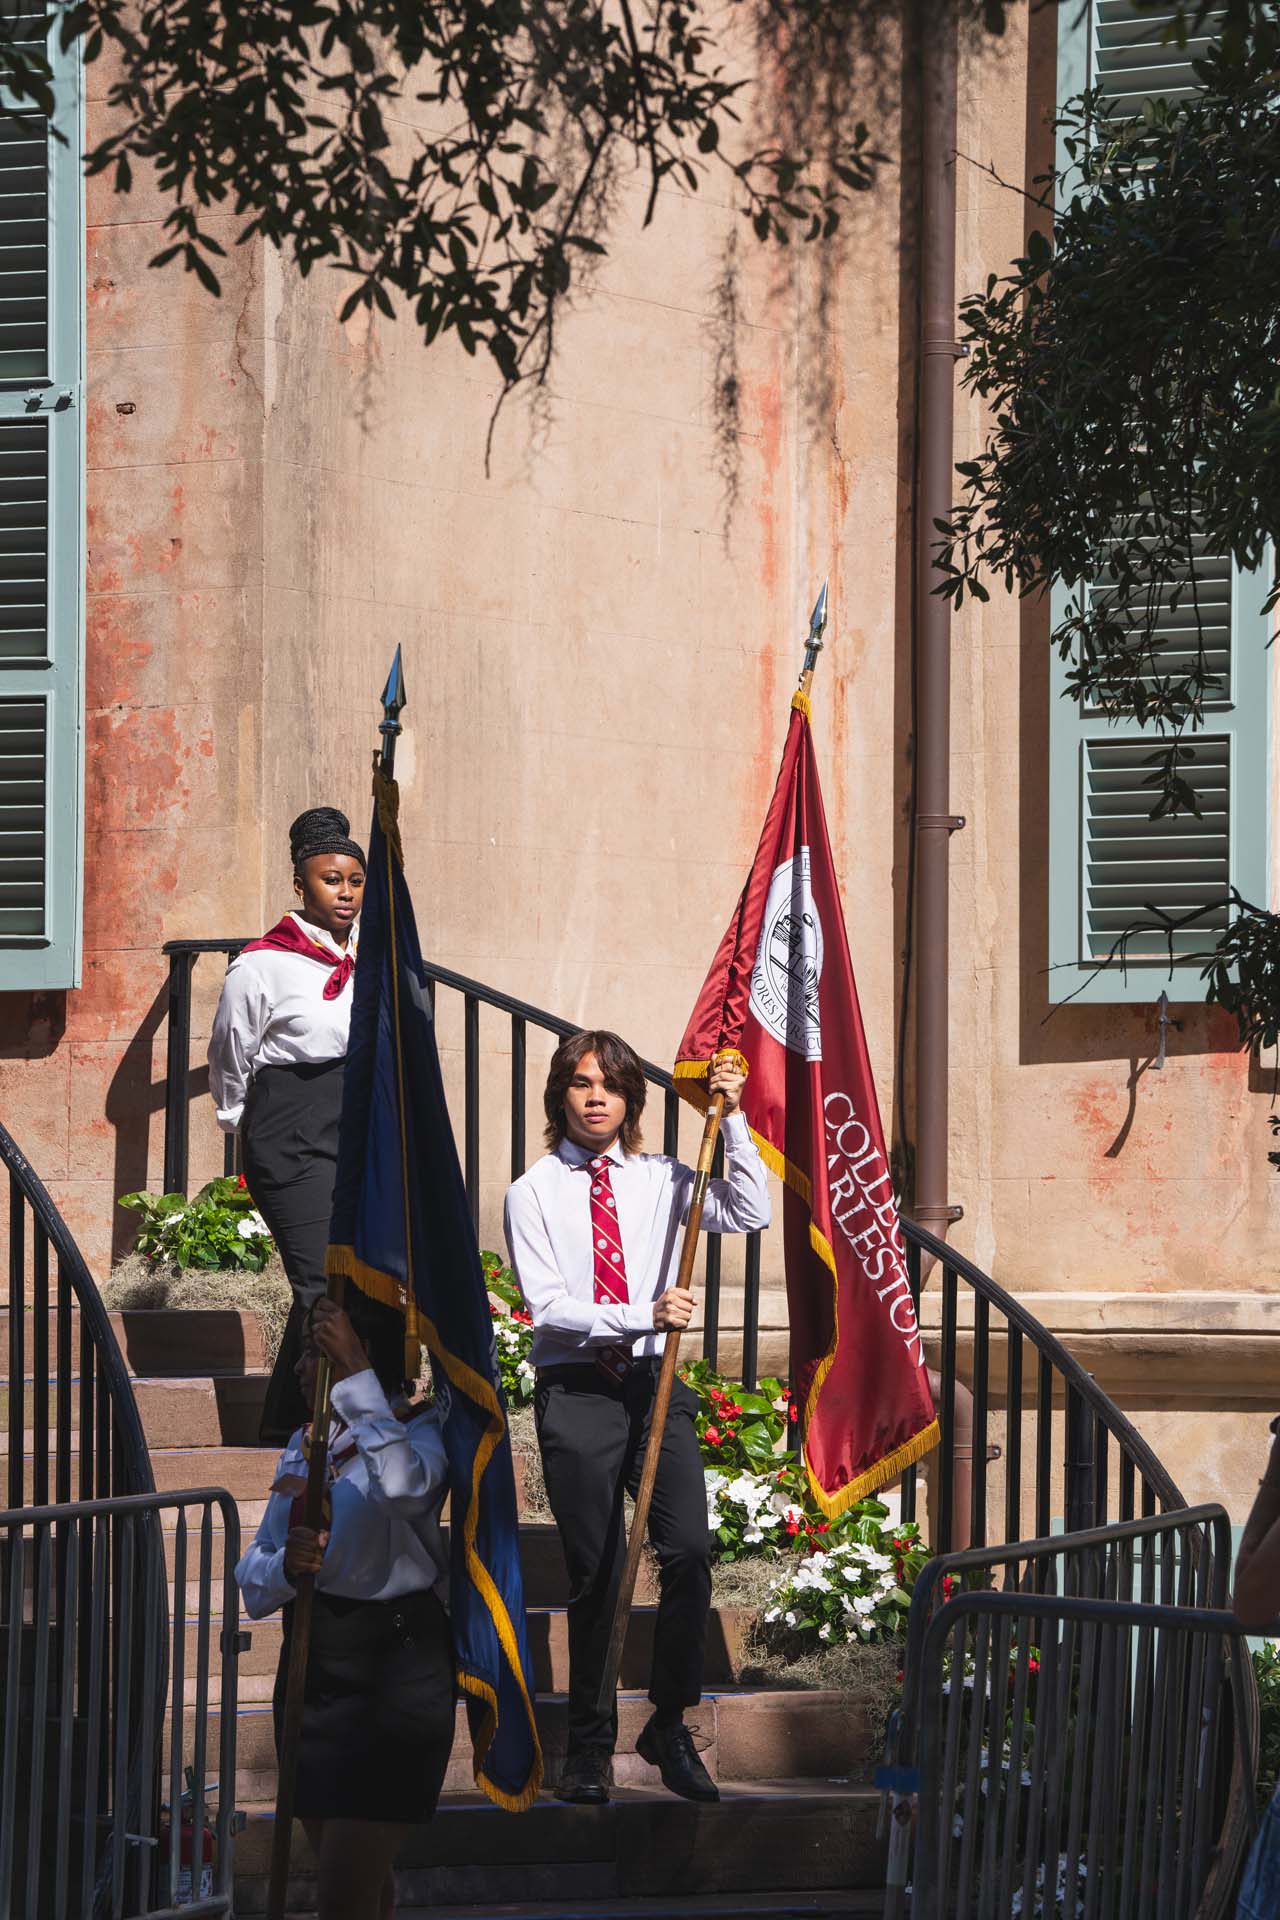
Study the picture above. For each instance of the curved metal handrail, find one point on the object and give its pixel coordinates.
(1151, 1468)
(98, 1370)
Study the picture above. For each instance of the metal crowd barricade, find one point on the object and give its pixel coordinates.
(1083, 1742)
(119, 1644)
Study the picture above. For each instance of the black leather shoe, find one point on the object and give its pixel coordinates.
(671, 1750)
(585, 1779)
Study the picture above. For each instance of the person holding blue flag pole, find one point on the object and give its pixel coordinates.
(402, 1236)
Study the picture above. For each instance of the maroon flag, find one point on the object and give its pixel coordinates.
(781, 991)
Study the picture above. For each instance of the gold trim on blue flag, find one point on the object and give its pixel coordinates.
(344, 1260)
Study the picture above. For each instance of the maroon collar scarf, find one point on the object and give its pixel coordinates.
(287, 937)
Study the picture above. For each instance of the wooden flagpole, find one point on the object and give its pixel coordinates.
(684, 1280)
(658, 1417)
(317, 1467)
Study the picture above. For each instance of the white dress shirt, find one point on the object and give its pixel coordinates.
(273, 1013)
(384, 1535)
(548, 1227)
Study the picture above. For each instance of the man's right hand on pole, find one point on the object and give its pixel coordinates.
(304, 1551)
(672, 1310)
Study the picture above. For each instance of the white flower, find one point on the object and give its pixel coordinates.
(771, 1613)
(524, 1371)
(824, 1631)
(863, 1604)
(749, 1490)
(790, 1619)
(252, 1227)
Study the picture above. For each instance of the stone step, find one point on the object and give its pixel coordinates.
(192, 1343)
(787, 1834)
(244, 1469)
(742, 1734)
(548, 1647)
(546, 1583)
(245, 1472)
(831, 1903)
(211, 1411)
(186, 1343)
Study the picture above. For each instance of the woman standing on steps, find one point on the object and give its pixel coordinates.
(378, 1712)
(276, 1059)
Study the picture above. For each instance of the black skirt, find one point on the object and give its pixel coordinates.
(289, 1138)
(377, 1723)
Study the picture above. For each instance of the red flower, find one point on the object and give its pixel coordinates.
(731, 1433)
(1033, 1666)
(241, 1183)
(793, 1413)
(793, 1529)
(712, 1436)
(781, 1474)
(824, 1526)
(947, 1584)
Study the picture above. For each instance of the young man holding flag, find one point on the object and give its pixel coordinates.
(594, 1231)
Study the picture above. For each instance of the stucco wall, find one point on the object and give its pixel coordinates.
(599, 658)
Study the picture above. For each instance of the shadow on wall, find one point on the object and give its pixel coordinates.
(133, 1096)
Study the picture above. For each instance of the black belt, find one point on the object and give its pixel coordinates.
(578, 1372)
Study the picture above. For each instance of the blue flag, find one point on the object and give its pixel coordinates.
(402, 1232)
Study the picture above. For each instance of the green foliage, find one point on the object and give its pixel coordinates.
(1131, 362)
(220, 1229)
(854, 1586)
(1266, 1670)
(512, 1330)
(1131, 366)
(470, 160)
(740, 1427)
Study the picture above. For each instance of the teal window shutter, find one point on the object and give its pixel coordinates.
(1110, 864)
(42, 307)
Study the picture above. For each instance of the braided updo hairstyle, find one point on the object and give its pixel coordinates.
(322, 830)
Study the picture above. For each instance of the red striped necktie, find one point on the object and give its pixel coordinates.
(610, 1264)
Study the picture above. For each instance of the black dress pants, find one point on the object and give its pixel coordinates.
(592, 1434)
(289, 1138)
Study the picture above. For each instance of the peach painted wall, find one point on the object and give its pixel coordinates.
(599, 664)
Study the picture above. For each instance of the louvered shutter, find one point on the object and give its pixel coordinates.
(41, 533)
(1110, 864)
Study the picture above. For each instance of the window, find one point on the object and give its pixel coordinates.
(1108, 860)
(41, 534)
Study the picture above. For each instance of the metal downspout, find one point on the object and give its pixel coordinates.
(934, 821)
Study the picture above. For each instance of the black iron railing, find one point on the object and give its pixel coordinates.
(118, 1620)
(1048, 1446)
(1077, 1712)
(1049, 1449)
(72, 1427)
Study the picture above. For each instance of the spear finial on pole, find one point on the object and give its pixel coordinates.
(813, 645)
(393, 700)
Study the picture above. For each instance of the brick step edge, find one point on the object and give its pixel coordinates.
(824, 1903)
(800, 1833)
